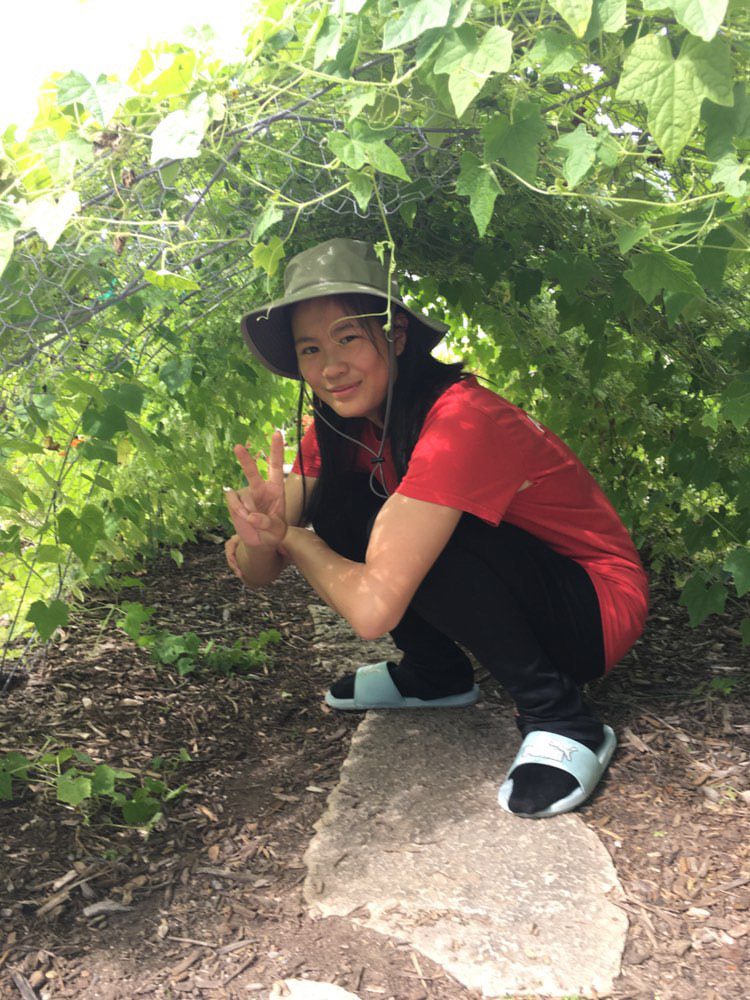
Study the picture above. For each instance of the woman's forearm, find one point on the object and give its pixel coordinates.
(347, 586)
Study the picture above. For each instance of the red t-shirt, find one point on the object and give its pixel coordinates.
(480, 454)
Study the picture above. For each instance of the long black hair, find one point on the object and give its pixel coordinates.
(419, 380)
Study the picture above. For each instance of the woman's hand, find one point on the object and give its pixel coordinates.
(258, 510)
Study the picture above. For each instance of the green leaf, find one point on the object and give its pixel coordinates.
(731, 175)
(418, 16)
(104, 778)
(12, 487)
(700, 17)
(478, 181)
(7, 242)
(50, 217)
(13, 766)
(49, 554)
(656, 270)
(738, 564)
(180, 134)
(606, 16)
(348, 150)
(105, 423)
(673, 89)
(136, 616)
(167, 279)
(735, 401)
(361, 187)
(73, 787)
(365, 148)
(361, 100)
(383, 158)
(516, 143)
(629, 236)
(270, 215)
(726, 125)
(100, 99)
(94, 451)
(267, 256)
(580, 148)
(81, 533)
(328, 40)
(47, 617)
(469, 65)
(175, 373)
(10, 541)
(141, 810)
(61, 156)
(702, 598)
(125, 395)
(554, 53)
(577, 13)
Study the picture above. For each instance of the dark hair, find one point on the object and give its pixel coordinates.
(420, 379)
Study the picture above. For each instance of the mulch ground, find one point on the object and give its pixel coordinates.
(209, 904)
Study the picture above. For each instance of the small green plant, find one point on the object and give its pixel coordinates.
(79, 782)
(186, 652)
(723, 685)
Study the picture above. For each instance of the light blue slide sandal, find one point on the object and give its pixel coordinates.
(374, 688)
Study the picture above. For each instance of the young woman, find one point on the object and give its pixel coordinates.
(442, 514)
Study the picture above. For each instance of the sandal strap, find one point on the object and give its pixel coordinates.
(561, 752)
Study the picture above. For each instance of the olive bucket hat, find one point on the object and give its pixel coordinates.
(335, 267)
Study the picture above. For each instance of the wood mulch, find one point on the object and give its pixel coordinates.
(210, 905)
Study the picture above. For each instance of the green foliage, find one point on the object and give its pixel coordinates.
(187, 653)
(93, 790)
(568, 187)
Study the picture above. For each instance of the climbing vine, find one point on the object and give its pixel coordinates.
(567, 182)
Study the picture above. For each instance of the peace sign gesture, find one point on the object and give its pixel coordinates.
(258, 510)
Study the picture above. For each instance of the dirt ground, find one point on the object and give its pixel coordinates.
(210, 904)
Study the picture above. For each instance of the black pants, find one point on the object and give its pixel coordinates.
(529, 615)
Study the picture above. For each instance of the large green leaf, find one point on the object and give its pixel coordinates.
(167, 279)
(73, 787)
(576, 12)
(673, 89)
(738, 564)
(104, 423)
(418, 16)
(735, 401)
(100, 99)
(700, 17)
(180, 134)
(554, 53)
(516, 142)
(478, 181)
(366, 149)
(50, 216)
(81, 533)
(47, 617)
(580, 148)
(606, 16)
(469, 64)
(657, 270)
(703, 598)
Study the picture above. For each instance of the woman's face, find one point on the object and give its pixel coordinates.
(344, 359)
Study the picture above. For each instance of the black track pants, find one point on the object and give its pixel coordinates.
(529, 615)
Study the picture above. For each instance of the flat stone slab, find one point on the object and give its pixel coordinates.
(307, 989)
(414, 845)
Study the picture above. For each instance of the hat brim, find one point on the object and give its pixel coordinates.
(267, 330)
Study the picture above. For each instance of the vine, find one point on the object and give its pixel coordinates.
(567, 183)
